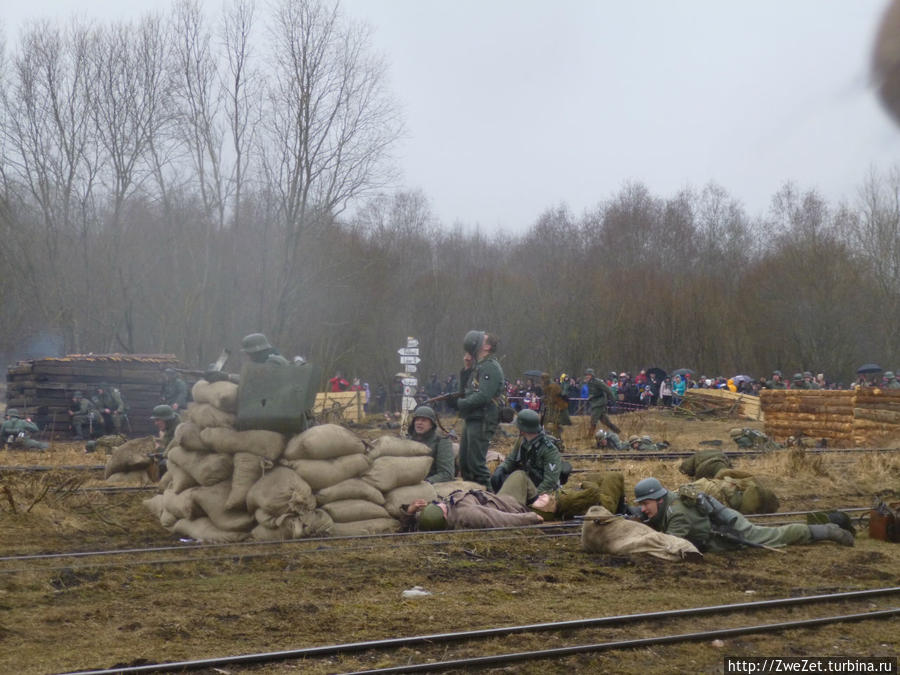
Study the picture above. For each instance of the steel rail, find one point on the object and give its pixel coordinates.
(61, 467)
(682, 454)
(437, 638)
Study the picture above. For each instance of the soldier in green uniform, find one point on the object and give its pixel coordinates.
(83, 414)
(797, 382)
(165, 419)
(646, 444)
(531, 472)
(480, 406)
(257, 348)
(554, 408)
(15, 432)
(599, 397)
(810, 380)
(890, 382)
(775, 382)
(174, 390)
(609, 440)
(423, 428)
(712, 526)
(750, 439)
(108, 401)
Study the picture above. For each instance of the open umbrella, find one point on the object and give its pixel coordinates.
(659, 372)
(742, 378)
(683, 371)
(533, 373)
(868, 368)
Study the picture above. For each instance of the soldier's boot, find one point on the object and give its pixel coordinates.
(831, 532)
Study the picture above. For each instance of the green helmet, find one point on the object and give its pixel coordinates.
(163, 412)
(473, 341)
(425, 411)
(889, 375)
(797, 377)
(588, 371)
(12, 412)
(528, 421)
(649, 488)
(255, 342)
(432, 518)
(77, 394)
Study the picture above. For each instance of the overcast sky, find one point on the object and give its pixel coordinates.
(515, 106)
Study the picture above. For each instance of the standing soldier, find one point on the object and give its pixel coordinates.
(14, 432)
(775, 382)
(82, 412)
(890, 382)
(554, 408)
(599, 397)
(174, 391)
(480, 405)
(108, 401)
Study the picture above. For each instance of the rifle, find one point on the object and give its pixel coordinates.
(731, 536)
(443, 397)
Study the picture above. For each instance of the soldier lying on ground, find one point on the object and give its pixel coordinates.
(705, 464)
(751, 439)
(740, 491)
(712, 526)
(646, 444)
(609, 440)
(474, 509)
(16, 432)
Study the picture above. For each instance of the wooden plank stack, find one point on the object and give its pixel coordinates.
(721, 403)
(43, 388)
(845, 418)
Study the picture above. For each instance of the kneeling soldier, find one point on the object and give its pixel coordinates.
(711, 526)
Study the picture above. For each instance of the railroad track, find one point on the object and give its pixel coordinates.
(439, 645)
(637, 455)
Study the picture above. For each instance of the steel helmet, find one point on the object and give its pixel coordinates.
(528, 421)
(255, 342)
(473, 341)
(425, 411)
(12, 412)
(432, 518)
(588, 371)
(649, 488)
(889, 375)
(163, 412)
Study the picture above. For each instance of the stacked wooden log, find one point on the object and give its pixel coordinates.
(43, 388)
(860, 417)
(720, 403)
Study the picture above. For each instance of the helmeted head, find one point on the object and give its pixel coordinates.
(426, 412)
(589, 372)
(528, 421)
(634, 439)
(12, 412)
(432, 518)
(103, 387)
(77, 394)
(889, 375)
(649, 488)
(163, 412)
(798, 377)
(776, 373)
(473, 341)
(255, 342)
(170, 372)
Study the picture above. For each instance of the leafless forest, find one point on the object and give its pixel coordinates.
(172, 184)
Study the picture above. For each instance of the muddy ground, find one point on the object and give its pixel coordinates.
(68, 614)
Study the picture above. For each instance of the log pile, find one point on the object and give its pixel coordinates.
(720, 403)
(43, 388)
(844, 418)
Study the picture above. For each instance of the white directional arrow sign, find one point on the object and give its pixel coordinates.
(412, 342)
(408, 360)
(410, 381)
(409, 369)
(408, 351)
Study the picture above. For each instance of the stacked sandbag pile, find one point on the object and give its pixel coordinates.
(816, 413)
(226, 485)
(876, 416)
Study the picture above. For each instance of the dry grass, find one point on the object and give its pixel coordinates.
(76, 614)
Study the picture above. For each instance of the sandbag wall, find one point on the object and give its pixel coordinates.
(226, 485)
(43, 388)
(844, 418)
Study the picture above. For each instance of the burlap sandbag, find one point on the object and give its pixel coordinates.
(136, 477)
(212, 500)
(281, 491)
(207, 468)
(363, 527)
(388, 473)
(352, 510)
(187, 435)
(391, 446)
(179, 479)
(407, 494)
(265, 533)
(315, 523)
(204, 415)
(131, 456)
(325, 441)
(156, 506)
(165, 482)
(248, 468)
(221, 395)
(604, 532)
(352, 488)
(445, 489)
(266, 444)
(203, 529)
(181, 504)
(605, 488)
(323, 473)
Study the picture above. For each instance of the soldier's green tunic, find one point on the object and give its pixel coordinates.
(684, 520)
(15, 431)
(599, 396)
(174, 393)
(83, 414)
(479, 407)
(532, 468)
(772, 384)
(443, 467)
(892, 383)
(110, 399)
